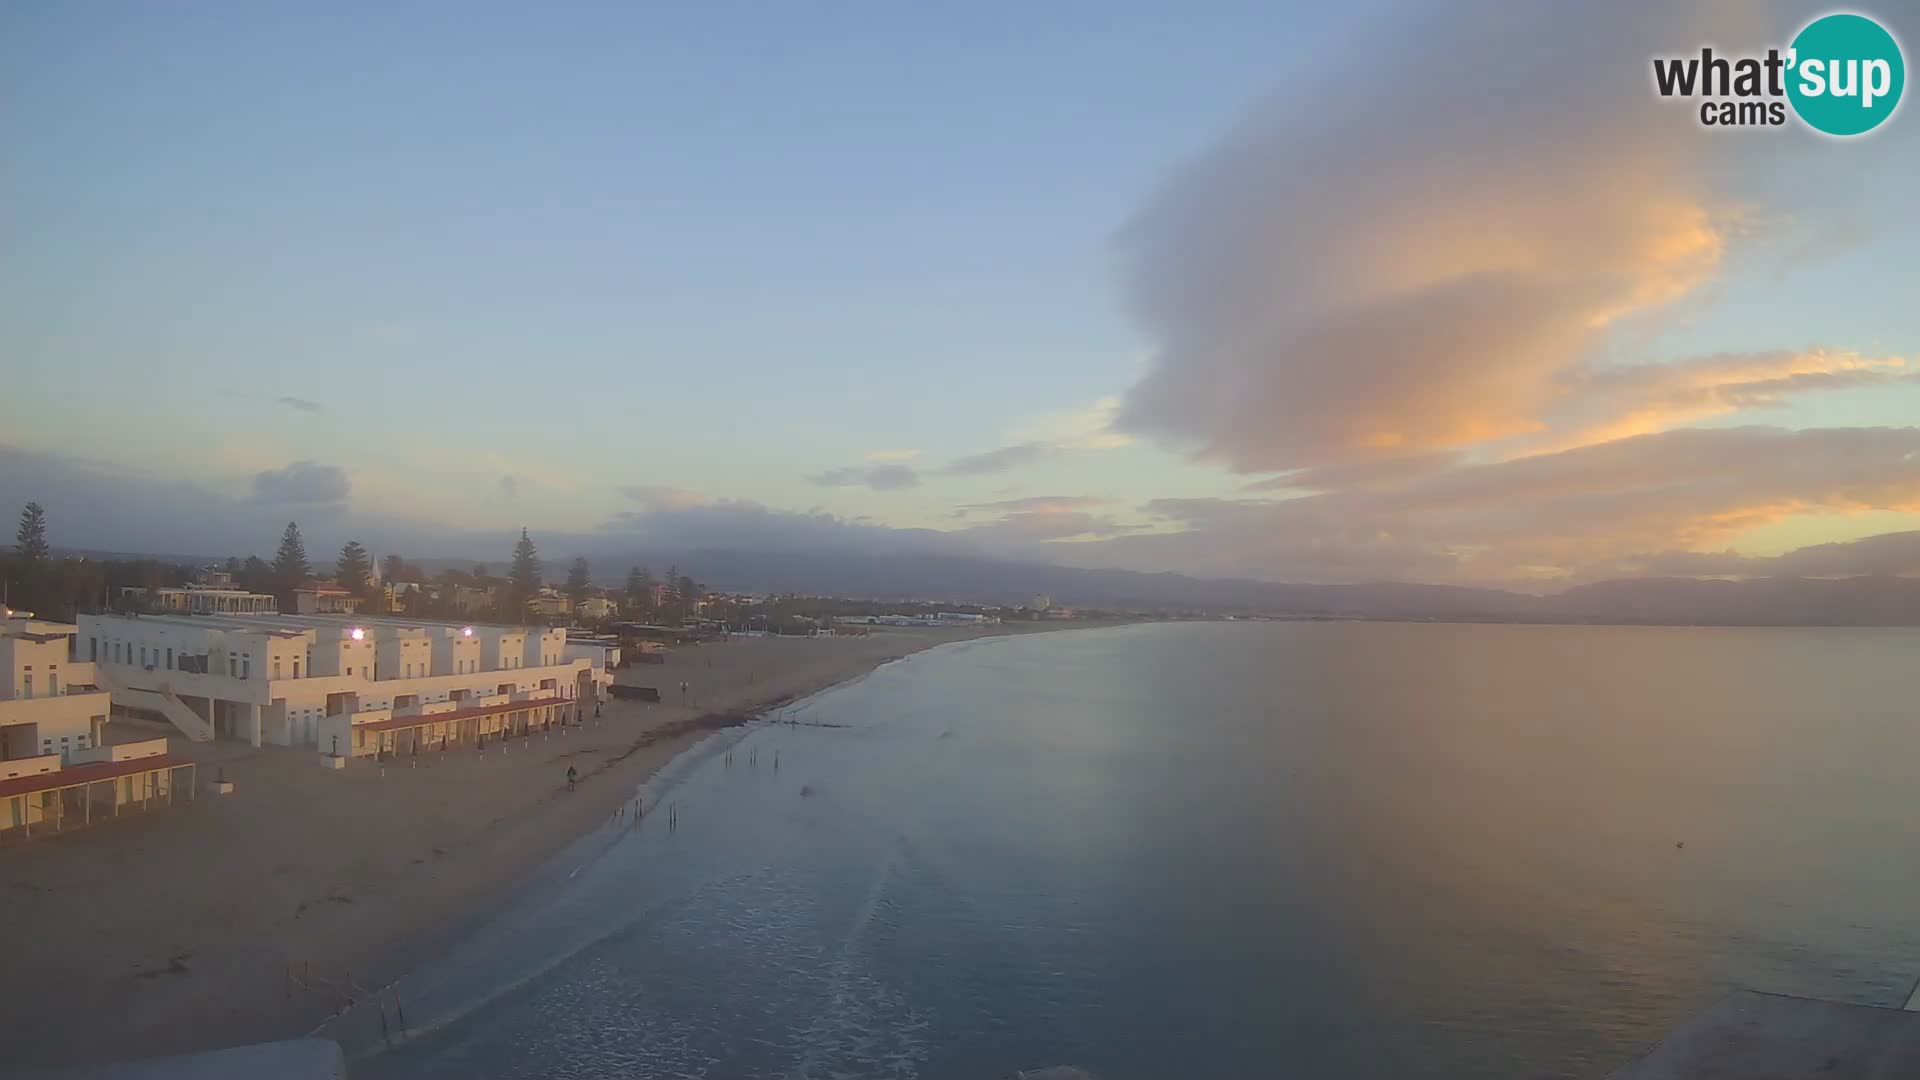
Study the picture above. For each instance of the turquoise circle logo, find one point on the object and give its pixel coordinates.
(1847, 74)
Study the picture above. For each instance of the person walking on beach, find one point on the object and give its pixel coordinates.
(572, 775)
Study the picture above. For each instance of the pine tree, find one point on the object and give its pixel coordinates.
(525, 577)
(393, 568)
(31, 539)
(290, 562)
(636, 588)
(255, 575)
(353, 571)
(579, 580)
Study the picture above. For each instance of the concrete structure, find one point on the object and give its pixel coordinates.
(322, 599)
(198, 600)
(50, 704)
(288, 679)
(602, 652)
(49, 795)
(547, 604)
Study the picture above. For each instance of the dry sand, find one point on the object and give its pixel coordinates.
(176, 930)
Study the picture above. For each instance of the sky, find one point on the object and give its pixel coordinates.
(1411, 292)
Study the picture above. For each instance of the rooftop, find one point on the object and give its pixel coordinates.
(89, 774)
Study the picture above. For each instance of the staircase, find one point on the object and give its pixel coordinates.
(163, 701)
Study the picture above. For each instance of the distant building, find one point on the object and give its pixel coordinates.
(320, 598)
(596, 608)
(199, 600)
(1040, 602)
(403, 595)
(547, 603)
(963, 617)
(467, 600)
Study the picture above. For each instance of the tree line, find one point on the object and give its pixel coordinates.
(32, 579)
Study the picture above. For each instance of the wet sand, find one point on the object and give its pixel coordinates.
(251, 916)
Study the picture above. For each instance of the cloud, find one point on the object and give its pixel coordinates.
(301, 404)
(1390, 275)
(510, 485)
(745, 525)
(884, 457)
(1040, 504)
(1039, 519)
(1564, 516)
(663, 497)
(877, 477)
(1002, 459)
(1087, 428)
(1895, 553)
(107, 506)
(301, 482)
(1605, 402)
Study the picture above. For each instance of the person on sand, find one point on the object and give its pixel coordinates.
(572, 775)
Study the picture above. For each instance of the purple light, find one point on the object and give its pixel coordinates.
(466, 631)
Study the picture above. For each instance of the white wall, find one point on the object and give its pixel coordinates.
(295, 710)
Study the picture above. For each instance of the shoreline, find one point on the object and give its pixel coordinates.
(254, 916)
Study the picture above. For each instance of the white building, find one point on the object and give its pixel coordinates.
(547, 604)
(49, 703)
(596, 608)
(286, 679)
(199, 600)
(321, 599)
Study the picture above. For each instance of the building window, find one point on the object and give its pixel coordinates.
(93, 650)
(53, 684)
(28, 692)
(246, 666)
(276, 667)
(143, 656)
(169, 659)
(296, 667)
(349, 671)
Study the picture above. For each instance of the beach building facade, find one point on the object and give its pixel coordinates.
(50, 703)
(51, 794)
(294, 680)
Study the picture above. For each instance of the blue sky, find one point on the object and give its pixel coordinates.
(518, 258)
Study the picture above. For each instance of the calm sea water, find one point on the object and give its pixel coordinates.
(1327, 850)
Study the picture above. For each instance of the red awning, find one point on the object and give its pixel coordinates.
(92, 773)
(458, 714)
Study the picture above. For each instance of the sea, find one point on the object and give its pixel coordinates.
(1225, 849)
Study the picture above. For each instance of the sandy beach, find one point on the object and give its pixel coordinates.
(177, 930)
